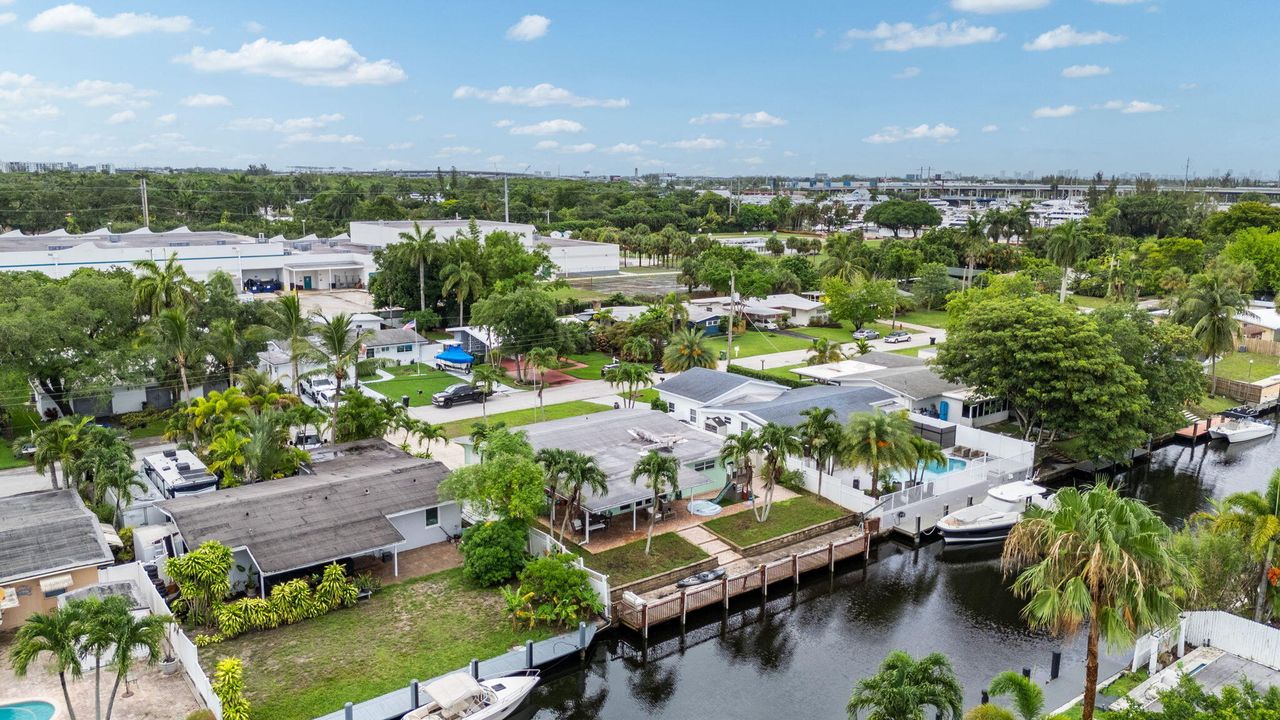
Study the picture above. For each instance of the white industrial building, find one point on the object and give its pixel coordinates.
(571, 257)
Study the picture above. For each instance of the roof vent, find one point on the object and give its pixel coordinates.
(171, 453)
(183, 467)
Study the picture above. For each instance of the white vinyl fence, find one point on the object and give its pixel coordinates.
(1239, 636)
(541, 543)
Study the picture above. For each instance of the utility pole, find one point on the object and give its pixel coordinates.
(146, 209)
(1186, 175)
(733, 294)
(506, 201)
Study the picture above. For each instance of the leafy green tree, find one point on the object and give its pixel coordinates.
(494, 551)
(360, 416)
(661, 474)
(933, 285)
(879, 442)
(228, 686)
(507, 483)
(1161, 354)
(1261, 249)
(1096, 559)
(337, 348)
(903, 687)
(1146, 214)
(688, 349)
(1067, 246)
(162, 287)
(774, 246)
(988, 712)
(897, 214)
(860, 301)
(1188, 700)
(1242, 216)
(522, 318)
(1211, 307)
(1254, 519)
(203, 579)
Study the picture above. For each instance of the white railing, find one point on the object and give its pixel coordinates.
(182, 647)
(541, 543)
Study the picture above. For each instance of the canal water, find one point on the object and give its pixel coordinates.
(799, 654)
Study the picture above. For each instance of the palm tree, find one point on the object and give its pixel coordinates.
(290, 324)
(462, 279)
(630, 376)
(778, 442)
(162, 287)
(1066, 246)
(572, 472)
(59, 633)
(50, 444)
(171, 333)
(542, 359)
(227, 343)
(661, 474)
(862, 346)
(225, 455)
(130, 634)
(428, 432)
(267, 454)
(741, 450)
(337, 349)
(824, 351)
(553, 461)
(821, 436)
(254, 382)
(1099, 559)
(1028, 698)
(1211, 309)
(997, 222)
(925, 451)
(121, 480)
(637, 349)
(973, 243)
(308, 416)
(1018, 222)
(672, 307)
(878, 441)
(1254, 518)
(904, 687)
(418, 249)
(487, 375)
(688, 349)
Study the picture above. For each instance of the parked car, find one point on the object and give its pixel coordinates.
(611, 366)
(898, 336)
(311, 386)
(767, 325)
(458, 393)
(866, 334)
(658, 368)
(307, 441)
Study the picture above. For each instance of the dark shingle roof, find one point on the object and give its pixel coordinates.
(889, 360)
(46, 532)
(786, 409)
(393, 336)
(306, 520)
(704, 385)
(916, 383)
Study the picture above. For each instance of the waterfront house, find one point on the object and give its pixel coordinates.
(690, 391)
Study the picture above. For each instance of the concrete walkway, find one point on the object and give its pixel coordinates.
(710, 544)
(504, 401)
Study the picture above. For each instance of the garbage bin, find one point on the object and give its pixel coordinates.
(933, 341)
(724, 355)
(404, 400)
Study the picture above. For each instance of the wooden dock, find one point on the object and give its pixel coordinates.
(640, 614)
(1198, 430)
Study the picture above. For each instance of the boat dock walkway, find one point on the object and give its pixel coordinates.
(394, 705)
(922, 510)
(1199, 429)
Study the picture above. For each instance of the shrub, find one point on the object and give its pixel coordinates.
(493, 552)
(228, 685)
(335, 590)
(201, 714)
(246, 614)
(125, 554)
(367, 582)
(205, 640)
(293, 601)
(749, 372)
(203, 578)
(552, 590)
(988, 712)
(792, 480)
(660, 405)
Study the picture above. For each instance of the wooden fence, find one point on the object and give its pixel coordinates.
(1261, 346)
(640, 613)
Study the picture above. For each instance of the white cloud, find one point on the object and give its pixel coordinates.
(990, 128)
(753, 160)
(997, 6)
(1060, 111)
(333, 63)
(6, 18)
(27, 97)
(540, 95)
(1133, 107)
(307, 137)
(495, 159)
(123, 116)
(758, 119)
(907, 73)
(254, 27)
(708, 118)
(757, 144)
(546, 145)
(1085, 71)
(1065, 36)
(80, 20)
(548, 127)
(457, 150)
(203, 100)
(167, 119)
(623, 148)
(400, 146)
(417, 118)
(579, 148)
(892, 134)
(698, 143)
(906, 36)
(1188, 86)
(504, 123)
(530, 27)
(289, 125)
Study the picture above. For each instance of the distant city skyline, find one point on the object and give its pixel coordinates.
(975, 87)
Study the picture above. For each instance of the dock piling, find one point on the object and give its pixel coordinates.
(795, 569)
(764, 583)
(831, 557)
(724, 590)
(348, 711)
(528, 654)
(684, 606)
(1026, 673)
(475, 672)
(1055, 665)
(582, 635)
(985, 697)
(413, 695)
(969, 502)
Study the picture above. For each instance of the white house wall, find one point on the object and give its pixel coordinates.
(588, 258)
(412, 525)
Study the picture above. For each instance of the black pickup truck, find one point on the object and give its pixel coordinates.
(459, 393)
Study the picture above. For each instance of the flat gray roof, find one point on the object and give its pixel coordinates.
(45, 532)
(916, 383)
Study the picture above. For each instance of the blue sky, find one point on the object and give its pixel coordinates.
(980, 86)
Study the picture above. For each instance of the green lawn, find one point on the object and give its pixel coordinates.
(576, 292)
(7, 459)
(1089, 301)
(437, 335)
(931, 318)
(645, 396)
(912, 351)
(413, 630)
(628, 563)
(785, 517)
(759, 343)
(419, 388)
(785, 372)
(1236, 366)
(155, 428)
(844, 333)
(515, 418)
(1215, 404)
(23, 419)
(593, 361)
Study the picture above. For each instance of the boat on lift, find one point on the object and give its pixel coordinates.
(993, 518)
(1239, 429)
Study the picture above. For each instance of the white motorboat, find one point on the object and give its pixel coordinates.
(993, 518)
(458, 696)
(1240, 429)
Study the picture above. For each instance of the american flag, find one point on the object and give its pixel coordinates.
(411, 325)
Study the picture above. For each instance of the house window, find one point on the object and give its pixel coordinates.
(368, 353)
(404, 348)
(693, 415)
(744, 426)
(433, 517)
(704, 465)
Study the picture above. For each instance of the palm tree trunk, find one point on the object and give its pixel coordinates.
(422, 286)
(115, 688)
(182, 370)
(459, 309)
(1062, 291)
(297, 381)
(53, 475)
(568, 512)
(1213, 374)
(820, 479)
(1260, 606)
(66, 696)
(97, 686)
(653, 516)
(1091, 666)
(333, 415)
(231, 374)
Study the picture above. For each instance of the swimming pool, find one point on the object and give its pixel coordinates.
(934, 470)
(33, 710)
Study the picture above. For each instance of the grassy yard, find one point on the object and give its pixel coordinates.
(515, 418)
(1089, 301)
(930, 318)
(1236, 366)
(437, 335)
(912, 351)
(844, 333)
(416, 629)
(155, 428)
(758, 343)
(785, 372)
(1215, 404)
(593, 361)
(628, 563)
(645, 396)
(785, 517)
(575, 292)
(7, 459)
(419, 388)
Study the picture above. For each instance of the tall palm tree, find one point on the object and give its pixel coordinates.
(51, 442)
(553, 462)
(572, 472)
(59, 633)
(418, 249)
(227, 343)
(878, 441)
(486, 375)
(1018, 222)
(903, 687)
(428, 432)
(337, 350)
(1066, 246)
(121, 480)
(1211, 308)
(973, 243)
(925, 451)
(173, 336)
(308, 416)
(1028, 697)
(997, 222)
(821, 435)
(741, 450)
(1254, 518)
(630, 376)
(1099, 559)
(661, 473)
(673, 308)
(291, 325)
(162, 287)
(637, 349)
(129, 635)
(462, 279)
(688, 349)
(824, 351)
(542, 359)
(778, 443)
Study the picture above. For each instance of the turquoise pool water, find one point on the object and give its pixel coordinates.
(26, 711)
(935, 469)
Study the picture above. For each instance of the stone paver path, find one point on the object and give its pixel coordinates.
(710, 544)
